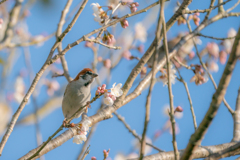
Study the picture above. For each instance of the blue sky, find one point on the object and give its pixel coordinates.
(111, 133)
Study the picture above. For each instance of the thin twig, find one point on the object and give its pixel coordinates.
(98, 42)
(234, 6)
(236, 120)
(170, 88)
(86, 153)
(217, 98)
(199, 34)
(182, 64)
(120, 118)
(58, 33)
(205, 10)
(148, 102)
(189, 99)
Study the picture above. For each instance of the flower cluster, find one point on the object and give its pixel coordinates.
(82, 130)
(108, 39)
(195, 18)
(110, 97)
(101, 89)
(200, 76)
(98, 13)
(106, 153)
(164, 77)
(181, 19)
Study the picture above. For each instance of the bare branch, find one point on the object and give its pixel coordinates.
(189, 99)
(199, 152)
(98, 42)
(148, 102)
(86, 153)
(171, 113)
(216, 101)
(2, 1)
(59, 32)
(199, 34)
(120, 118)
(236, 118)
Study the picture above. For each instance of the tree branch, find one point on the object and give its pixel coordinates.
(236, 118)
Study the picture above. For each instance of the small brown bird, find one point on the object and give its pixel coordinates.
(78, 93)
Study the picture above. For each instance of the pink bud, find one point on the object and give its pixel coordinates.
(191, 55)
(107, 63)
(104, 86)
(140, 48)
(133, 9)
(1, 20)
(137, 4)
(178, 109)
(93, 158)
(223, 57)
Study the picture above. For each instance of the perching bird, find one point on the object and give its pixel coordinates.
(77, 93)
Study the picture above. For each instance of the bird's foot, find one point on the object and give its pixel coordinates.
(67, 124)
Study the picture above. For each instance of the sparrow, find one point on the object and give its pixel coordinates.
(77, 93)
(182, 52)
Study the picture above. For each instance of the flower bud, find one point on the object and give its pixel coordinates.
(178, 109)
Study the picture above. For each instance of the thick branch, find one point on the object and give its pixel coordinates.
(200, 152)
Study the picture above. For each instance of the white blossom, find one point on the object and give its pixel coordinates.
(164, 78)
(116, 90)
(79, 139)
(96, 8)
(137, 145)
(140, 32)
(108, 101)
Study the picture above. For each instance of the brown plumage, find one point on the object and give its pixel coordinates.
(82, 73)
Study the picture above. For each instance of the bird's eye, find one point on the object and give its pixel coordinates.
(88, 72)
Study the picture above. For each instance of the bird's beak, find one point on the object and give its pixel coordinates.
(94, 75)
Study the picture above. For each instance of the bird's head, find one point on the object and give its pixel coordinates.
(85, 76)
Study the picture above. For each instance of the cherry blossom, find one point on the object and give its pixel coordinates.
(164, 77)
(124, 23)
(140, 32)
(127, 54)
(79, 139)
(107, 63)
(213, 49)
(116, 90)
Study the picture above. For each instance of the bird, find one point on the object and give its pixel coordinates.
(78, 93)
(182, 52)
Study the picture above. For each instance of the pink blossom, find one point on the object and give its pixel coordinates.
(124, 23)
(191, 55)
(223, 57)
(213, 49)
(105, 153)
(89, 44)
(213, 66)
(127, 54)
(107, 63)
(143, 72)
(93, 158)
(140, 48)
(196, 19)
(178, 109)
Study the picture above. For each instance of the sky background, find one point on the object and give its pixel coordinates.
(111, 133)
